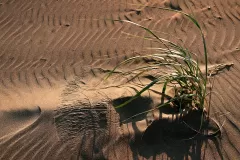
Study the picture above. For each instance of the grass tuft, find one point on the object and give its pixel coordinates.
(174, 67)
(184, 74)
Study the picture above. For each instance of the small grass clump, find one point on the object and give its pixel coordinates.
(183, 71)
(175, 67)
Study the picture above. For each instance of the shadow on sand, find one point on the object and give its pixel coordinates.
(168, 139)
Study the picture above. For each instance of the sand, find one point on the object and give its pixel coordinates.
(54, 54)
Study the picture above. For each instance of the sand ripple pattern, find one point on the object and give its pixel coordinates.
(43, 44)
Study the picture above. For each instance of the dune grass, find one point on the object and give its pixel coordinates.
(184, 73)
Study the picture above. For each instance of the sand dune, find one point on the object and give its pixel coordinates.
(53, 54)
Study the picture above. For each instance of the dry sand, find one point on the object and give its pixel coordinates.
(53, 55)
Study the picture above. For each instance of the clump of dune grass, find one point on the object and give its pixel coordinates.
(183, 71)
(175, 67)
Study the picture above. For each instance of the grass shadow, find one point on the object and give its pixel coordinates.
(174, 139)
(134, 107)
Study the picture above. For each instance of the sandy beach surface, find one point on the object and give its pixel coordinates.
(55, 53)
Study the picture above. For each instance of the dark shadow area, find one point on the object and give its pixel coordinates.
(175, 139)
(23, 113)
(136, 106)
(167, 109)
